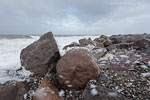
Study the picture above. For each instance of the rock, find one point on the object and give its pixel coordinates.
(85, 42)
(121, 46)
(99, 52)
(47, 91)
(76, 68)
(13, 91)
(104, 40)
(140, 46)
(73, 44)
(143, 46)
(97, 40)
(94, 92)
(41, 56)
(121, 61)
(99, 45)
(107, 43)
(128, 38)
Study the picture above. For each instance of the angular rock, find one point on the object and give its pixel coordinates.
(41, 56)
(101, 93)
(13, 91)
(76, 68)
(85, 42)
(47, 91)
(73, 44)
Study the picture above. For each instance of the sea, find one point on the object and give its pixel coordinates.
(11, 46)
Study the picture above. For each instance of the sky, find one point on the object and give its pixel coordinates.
(74, 17)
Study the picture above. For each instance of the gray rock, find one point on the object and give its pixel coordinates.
(99, 52)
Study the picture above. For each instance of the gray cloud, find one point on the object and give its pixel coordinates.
(74, 16)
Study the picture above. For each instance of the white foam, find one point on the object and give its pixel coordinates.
(40, 94)
(61, 93)
(145, 74)
(94, 92)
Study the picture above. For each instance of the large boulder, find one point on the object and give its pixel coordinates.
(76, 68)
(47, 91)
(13, 91)
(94, 92)
(41, 56)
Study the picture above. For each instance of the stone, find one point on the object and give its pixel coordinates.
(116, 39)
(41, 56)
(73, 44)
(13, 91)
(101, 93)
(107, 43)
(99, 45)
(122, 61)
(143, 46)
(85, 42)
(99, 52)
(76, 68)
(140, 46)
(47, 91)
(104, 40)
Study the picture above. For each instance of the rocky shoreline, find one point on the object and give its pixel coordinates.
(105, 68)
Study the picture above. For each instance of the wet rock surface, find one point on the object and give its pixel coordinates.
(76, 68)
(40, 56)
(13, 91)
(46, 91)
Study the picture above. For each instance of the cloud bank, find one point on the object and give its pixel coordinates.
(74, 16)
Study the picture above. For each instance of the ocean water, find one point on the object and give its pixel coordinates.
(10, 48)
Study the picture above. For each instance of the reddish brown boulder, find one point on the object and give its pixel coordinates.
(40, 56)
(73, 44)
(47, 91)
(76, 68)
(13, 91)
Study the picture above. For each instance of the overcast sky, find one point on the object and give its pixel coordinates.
(74, 16)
